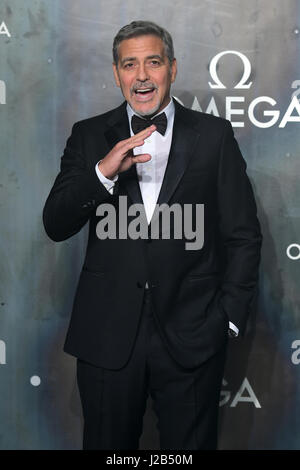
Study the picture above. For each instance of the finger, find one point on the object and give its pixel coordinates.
(148, 130)
(131, 144)
(142, 134)
(136, 140)
(141, 158)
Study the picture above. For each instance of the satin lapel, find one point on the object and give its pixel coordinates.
(184, 140)
(119, 130)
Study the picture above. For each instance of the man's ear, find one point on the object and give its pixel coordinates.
(116, 75)
(173, 70)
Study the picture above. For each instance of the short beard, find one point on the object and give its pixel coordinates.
(152, 111)
(149, 113)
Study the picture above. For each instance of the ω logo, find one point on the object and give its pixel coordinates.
(213, 70)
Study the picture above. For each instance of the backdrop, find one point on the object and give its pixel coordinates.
(236, 59)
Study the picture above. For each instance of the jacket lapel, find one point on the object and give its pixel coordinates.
(184, 139)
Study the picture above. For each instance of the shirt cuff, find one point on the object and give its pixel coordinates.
(234, 329)
(107, 183)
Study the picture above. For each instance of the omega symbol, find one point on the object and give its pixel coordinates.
(213, 71)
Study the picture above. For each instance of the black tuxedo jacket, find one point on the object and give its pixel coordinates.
(195, 292)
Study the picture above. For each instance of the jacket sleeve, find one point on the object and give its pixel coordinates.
(75, 193)
(240, 232)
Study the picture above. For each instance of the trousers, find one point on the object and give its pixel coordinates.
(186, 401)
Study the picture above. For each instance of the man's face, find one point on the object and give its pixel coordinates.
(144, 74)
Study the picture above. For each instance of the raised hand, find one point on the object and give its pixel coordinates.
(121, 157)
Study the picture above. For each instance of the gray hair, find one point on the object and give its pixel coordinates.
(142, 28)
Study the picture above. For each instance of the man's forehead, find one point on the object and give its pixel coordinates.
(147, 45)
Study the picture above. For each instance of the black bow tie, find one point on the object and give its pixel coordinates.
(138, 124)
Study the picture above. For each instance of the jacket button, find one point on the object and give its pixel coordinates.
(139, 284)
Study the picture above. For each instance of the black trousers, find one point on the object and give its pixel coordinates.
(186, 401)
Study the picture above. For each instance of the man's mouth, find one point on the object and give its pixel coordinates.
(143, 94)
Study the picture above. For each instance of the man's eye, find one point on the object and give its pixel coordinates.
(128, 65)
(155, 62)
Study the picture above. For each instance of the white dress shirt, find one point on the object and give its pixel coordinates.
(151, 173)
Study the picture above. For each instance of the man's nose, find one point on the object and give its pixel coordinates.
(142, 74)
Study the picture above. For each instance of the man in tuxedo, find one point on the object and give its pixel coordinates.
(151, 316)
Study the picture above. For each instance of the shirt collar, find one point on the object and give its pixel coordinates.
(169, 110)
